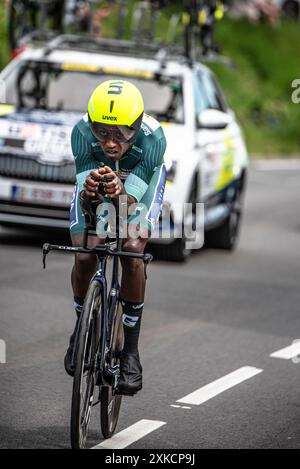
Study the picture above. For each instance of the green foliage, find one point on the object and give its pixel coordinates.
(4, 53)
(259, 87)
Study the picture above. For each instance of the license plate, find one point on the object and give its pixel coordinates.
(41, 195)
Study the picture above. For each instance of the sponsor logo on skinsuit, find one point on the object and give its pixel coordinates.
(130, 321)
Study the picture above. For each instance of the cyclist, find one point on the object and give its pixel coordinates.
(116, 132)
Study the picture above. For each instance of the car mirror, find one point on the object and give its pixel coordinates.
(212, 119)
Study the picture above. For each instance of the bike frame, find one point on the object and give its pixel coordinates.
(108, 300)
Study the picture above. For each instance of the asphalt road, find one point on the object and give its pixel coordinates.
(215, 315)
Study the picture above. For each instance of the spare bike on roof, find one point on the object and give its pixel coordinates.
(27, 16)
(44, 19)
(199, 19)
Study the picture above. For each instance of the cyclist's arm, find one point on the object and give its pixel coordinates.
(146, 212)
(139, 179)
(147, 183)
(84, 162)
(85, 165)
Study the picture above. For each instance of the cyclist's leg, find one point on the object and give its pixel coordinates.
(132, 291)
(133, 278)
(140, 225)
(85, 264)
(132, 301)
(83, 269)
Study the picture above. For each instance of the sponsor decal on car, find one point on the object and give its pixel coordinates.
(80, 67)
(48, 142)
(226, 173)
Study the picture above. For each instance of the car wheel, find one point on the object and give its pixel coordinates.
(177, 251)
(226, 235)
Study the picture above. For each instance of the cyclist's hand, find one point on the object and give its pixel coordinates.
(114, 186)
(90, 187)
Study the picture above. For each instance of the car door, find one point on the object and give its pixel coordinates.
(216, 145)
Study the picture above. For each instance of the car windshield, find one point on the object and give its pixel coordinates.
(53, 87)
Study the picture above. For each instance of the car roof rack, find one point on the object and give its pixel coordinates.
(116, 46)
(143, 43)
(162, 52)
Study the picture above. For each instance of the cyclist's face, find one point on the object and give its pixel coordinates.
(114, 140)
(114, 150)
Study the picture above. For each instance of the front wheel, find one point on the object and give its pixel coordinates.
(84, 376)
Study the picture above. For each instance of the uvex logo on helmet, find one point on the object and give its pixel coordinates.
(109, 118)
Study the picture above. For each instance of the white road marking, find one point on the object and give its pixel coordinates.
(220, 385)
(131, 434)
(277, 165)
(180, 406)
(288, 353)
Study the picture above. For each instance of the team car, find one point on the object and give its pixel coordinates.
(44, 93)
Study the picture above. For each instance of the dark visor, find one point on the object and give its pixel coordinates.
(118, 133)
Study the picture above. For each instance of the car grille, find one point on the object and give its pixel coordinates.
(29, 168)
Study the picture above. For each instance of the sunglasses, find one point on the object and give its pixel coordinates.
(118, 133)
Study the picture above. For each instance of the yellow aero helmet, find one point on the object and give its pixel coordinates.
(116, 102)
